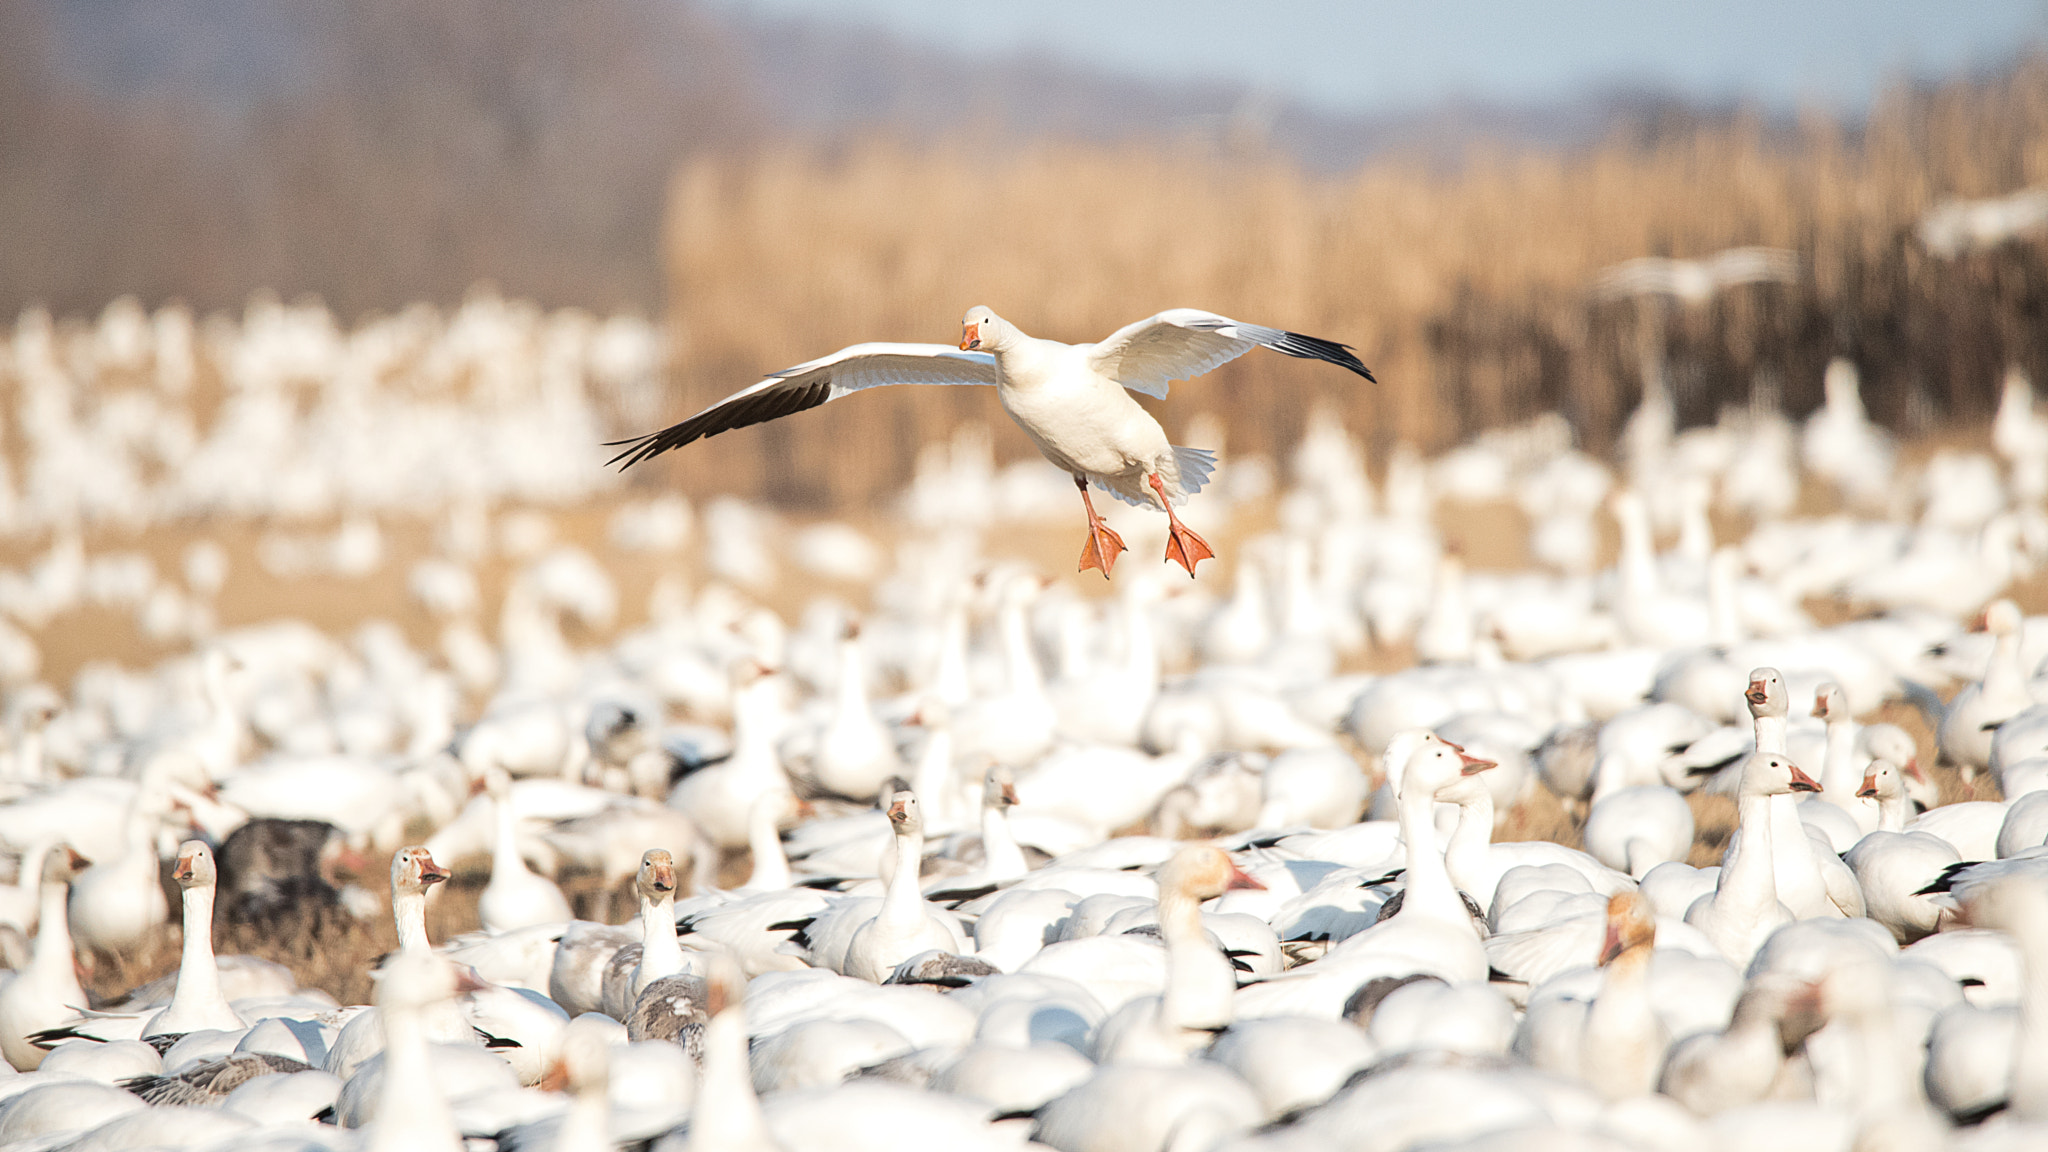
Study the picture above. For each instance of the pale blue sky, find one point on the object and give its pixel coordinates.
(1391, 55)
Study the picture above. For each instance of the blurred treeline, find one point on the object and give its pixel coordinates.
(369, 152)
(1467, 288)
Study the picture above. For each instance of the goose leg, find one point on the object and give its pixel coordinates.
(1103, 545)
(1182, 545)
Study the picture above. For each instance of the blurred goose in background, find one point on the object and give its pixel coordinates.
(1070, 399)
(46, 993)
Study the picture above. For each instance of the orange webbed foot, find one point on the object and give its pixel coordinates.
(1186, 548)
(1102, 549)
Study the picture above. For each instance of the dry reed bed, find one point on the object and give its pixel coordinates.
(1466, 290)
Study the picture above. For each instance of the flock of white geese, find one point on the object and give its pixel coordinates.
(988, 864)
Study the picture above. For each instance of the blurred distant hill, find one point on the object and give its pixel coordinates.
(376, 152)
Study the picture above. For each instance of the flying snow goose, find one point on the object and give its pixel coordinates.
(1073, 400)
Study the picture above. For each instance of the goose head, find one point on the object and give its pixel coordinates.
(412, 981)
(981, 330)
(657, 878)
(904, 817)
(1772, 774)
(1630, 924)
(1829, 703)
(1766, 693)
(62, 864)
(1882, 781)
(194, 868)
(1893, 743)
(413, 870)
(999, 791)
(2002, 618)
(585, 1064)
(1202, 872)
(1427, 763)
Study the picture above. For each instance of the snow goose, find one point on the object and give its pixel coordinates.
(120, 898)
(1711, 1072)
(903, 924)
(1893, 868)
(1840, 779)
(1744, 907)
(515, 897)
(46, 993)
(21, 902)
(631, 968)
(1621, 1041)
(1073, 401)
(2018, 905)
(1432, 933)
(1002, 857)
(1811, 879)
(720, 797)
(855, 752)
(1974, 715)
(1107, 705)
(413, 1115)
(1200, 980)
(1636, 829)
(197, 1003)
(1139, 1108)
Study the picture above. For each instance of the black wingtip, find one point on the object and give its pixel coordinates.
(1317, 348)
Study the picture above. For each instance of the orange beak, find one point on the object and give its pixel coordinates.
(1240, 879)
(78, 863)
(1010, 795)
(1820, 706)
(1610, 947)
(1470, 765)
(182, 871)
(970, 337)
(430, 872)
(1757, 694)
(664, 877)
(1869, 788)
(897, 811)
(1801, 782)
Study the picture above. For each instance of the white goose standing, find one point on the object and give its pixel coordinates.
(1072, 400)
(197, 1001)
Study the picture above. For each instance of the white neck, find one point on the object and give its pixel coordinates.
(1747, 875)
(1430, 892)
(764, 843)
(2030, 1051)
(902, 903)
(413, 1114)
(753, 736)
(853, 685)
(1023, 663)
(51, 963)
(1001, 856)
(728, 1115)
(1465, 857)
(933, 781)
(1891, 812)
(1623, 1043)
(198, 987)
(1199, 979)
(952, 684)
(660, 954)
(1839, 778)
(2004, 680)
(1770, 734)
(409, 916)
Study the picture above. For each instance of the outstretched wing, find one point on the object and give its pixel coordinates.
(1183, 343)
(811, 384)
